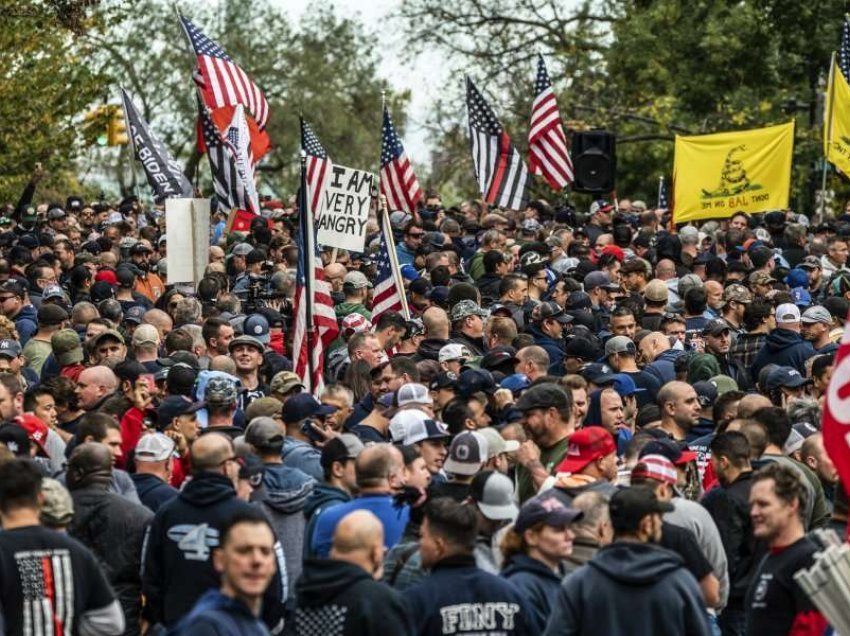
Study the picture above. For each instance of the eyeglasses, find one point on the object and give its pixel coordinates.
(416, 235)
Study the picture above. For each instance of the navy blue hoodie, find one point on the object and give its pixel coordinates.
(323, 496)
(176, 558)
(153, 492)
(555, 349)
(627, 589)
(785, 348)
(459, 598)
(26, 322)
(538, 583)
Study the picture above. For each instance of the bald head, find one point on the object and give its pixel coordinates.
(159, 319)
(436, 323)
(216, 254)
(653, 345)
(210, 451)
(334, 270)
(223, 363)
(359, 540)
(665, 269)
(375, 465)
(751, 403)
(89, 465)
(93, 384)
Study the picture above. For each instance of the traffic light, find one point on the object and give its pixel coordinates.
(96, 125)
(117, 129)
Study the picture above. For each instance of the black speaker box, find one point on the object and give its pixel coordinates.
(594, 156)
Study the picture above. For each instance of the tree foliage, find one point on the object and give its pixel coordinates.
(644, 69)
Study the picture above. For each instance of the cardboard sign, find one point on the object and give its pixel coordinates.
(187, 223)
(345, 209)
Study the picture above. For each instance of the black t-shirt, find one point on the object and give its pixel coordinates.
(774, 601)
(48, 582)
(683, 542)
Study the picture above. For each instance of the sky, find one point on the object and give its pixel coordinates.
(423, 75)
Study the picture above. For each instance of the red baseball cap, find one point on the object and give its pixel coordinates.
(586, 445)
(36, 430)
(106, 275)
(615, 251)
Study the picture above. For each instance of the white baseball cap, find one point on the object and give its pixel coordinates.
(405, 421)
(413, 393)
(154, 447)
(787, 312)
(454, 351)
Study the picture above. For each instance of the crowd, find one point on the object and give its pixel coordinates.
(589, 424)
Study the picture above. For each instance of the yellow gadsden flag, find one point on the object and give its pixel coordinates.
(836, 123)
(714, 176)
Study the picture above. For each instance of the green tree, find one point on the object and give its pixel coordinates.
(44, 88)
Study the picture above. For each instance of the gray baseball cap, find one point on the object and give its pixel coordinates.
(816, 314)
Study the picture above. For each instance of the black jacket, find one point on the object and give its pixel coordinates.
(429, 349)
(459, 598)
(177, 561)
(153, 492)
(335, 598)
(113, 527)
(730, 508)
(475, 345)
(488, 285)
(626, 589)
(785, 348)
(538, 583)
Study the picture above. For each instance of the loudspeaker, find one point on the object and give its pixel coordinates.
(594, 162)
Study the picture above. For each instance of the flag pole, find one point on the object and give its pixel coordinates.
(308, 245)
(827, 124)
(660, 188)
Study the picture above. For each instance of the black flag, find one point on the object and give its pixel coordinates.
(164, 174)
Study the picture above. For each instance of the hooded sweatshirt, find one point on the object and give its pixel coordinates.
(335, 598)
(26, 322)
(630, 588)
(177, 563)
(283, 496)
(323, 496)
(218, 615)
(538, 583)
(785, 348)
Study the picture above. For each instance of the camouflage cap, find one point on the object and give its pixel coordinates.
(761, 278)
(284, 381)
(220, 391)
(466, 308)
(738, 293)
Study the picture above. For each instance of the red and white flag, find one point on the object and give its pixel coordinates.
(398, 182)
(836, 411)
(548, 150)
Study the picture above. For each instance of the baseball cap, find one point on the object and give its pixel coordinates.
(52, 291)
(134, 314)
(453, 351)
(656, 291)
(36, 430)
(543, 396)
(354, 323)
(285, 381)
(787, 377)
(810, 262)
(787, 312)
(257, 326)
(582, 348)
(465, 308)
(550, 310)
(356, 280)
(669, 449)
(263, 433)
(496, 444)
(715, 327)
(620, 344)
(497, 356)
(797, 277)
(474, 380)
(12, 348)
(625, 385)
(584, 446)
(340, 448)
(655, 467)
(597, 373)
(738, 293)
(175, 406)
(801, 297)
(706, 393)
(515, 382)
(241, 249)
(628, 506)
(444, 380)
(145, 334)
(687, 283)
(154, 447)
(599, 279)
(246, 340)
(303, 405)
(761, 278)
(57, 509)
(15, 439)
(67, 348)
(413, 393)
(493, 493)
(579, 300)
(109, 334)
(466, 454)
(815, 314)
(56, 213)
(723, 384)
(418, 427)
(600, 205)
(12, 286)
(140, 248)
(548, 510)
(263, 407)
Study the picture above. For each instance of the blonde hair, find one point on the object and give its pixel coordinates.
(514, 543)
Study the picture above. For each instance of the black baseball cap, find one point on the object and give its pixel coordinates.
(543, 396)
(630, 505)
(475, 380)
(174, 406)
(303, 405)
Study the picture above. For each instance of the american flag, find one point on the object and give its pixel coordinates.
(499, 168)
(223, 85)
(548, 150)
(398, 183)
(238, 141)
(313, 303)
(663, 203)
(387, 295)
(844, 50)
(227, 183)
(319, 167)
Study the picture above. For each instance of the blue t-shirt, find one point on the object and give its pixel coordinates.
(393, 517)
